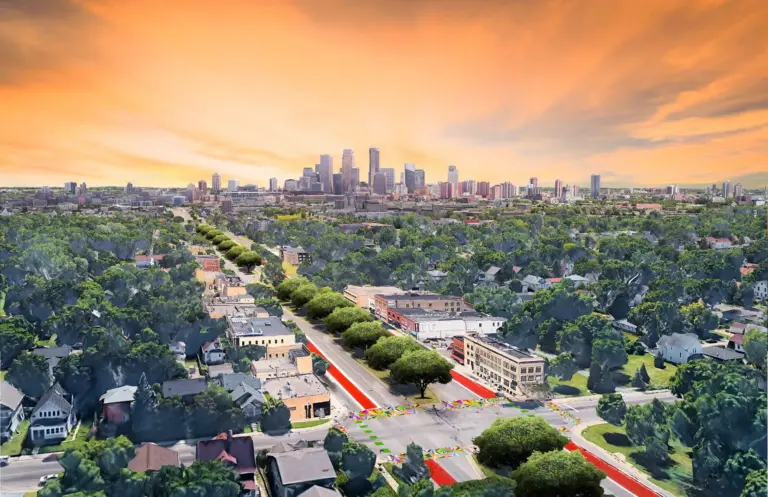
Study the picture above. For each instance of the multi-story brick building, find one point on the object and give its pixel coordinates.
(385, 305)
(504, 367)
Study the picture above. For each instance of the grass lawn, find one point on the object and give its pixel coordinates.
(310, 423)
(290, 270)
(30, 494)
(13, 446)
(630, 337)
(576, 386)
(289, 217)
(2, 374)
(72, 442)
(675, 477)
(412, 395)
(659, 377)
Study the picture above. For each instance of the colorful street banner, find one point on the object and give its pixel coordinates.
(387, 412)
(431, 454)
(466, 404)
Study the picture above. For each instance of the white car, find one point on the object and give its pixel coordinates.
(46, 478)
(5, 460)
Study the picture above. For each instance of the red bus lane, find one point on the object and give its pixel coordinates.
(473, 387)
(347, 385)
(439, 474)
(625, 481)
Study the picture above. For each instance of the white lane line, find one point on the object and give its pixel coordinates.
(571, 408)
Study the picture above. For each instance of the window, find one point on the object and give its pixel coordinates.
(538, 369)
(282, 340)
(530, 378)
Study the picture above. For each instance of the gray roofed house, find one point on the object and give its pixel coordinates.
(317, 491)
(295, 472)
(53, 354)
(231, 381)
(186, 388)
(118, 395)
(679, 348)
(248, 399)
(53, 417)
(11, 409)
(10, 397)
(722, 354)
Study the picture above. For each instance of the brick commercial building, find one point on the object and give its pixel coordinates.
(506, 368)
(304, 395)
(208, 262)
(364, 296)
(384, 304)
(294, 255)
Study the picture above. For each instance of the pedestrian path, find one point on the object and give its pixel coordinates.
(568, 416)
(466, 404)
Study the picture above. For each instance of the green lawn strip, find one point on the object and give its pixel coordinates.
(659, 377)
(13, 446)
(72, 441)
(373, 437)
(672, 478)
(367, 431)
(576, 386)
(310, 423)
(2, 374)
(412, 397)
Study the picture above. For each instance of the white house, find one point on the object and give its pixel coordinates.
(624, 325)
(533, 283)
(213, 353)
(53, 416)
(179, 348)
(718, 243)
(761, 290)
(679, 347)
(577, 280)
(11, 411)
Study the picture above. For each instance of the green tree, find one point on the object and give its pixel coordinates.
(341, 319)
(233, 253)
(213, 234)
(756, 484)
(358, 462)
(275, 416)
(413, 468)
(612, 408)
(143, 409)
(287, 287)
(644, 373)
(217, 240)
(248, 260)
(319, 365)
(389, 349)
(511, 441)
(322, 305)
(333, 444)
(363, 335)
(303, 294)
(756, 348)
(638, 381)
(225, 244)
(563, 366)
(421, 368)
(30, 374)
(699, 319)
(15, 337)
(557, 473)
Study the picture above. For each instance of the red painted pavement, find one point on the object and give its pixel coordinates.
(347, 385)
(627, 482)
(472, 386)
(439, 474)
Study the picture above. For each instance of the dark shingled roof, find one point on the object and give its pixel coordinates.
(152, 457)
(238, 448)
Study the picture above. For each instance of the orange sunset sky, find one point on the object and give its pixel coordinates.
(165, 92)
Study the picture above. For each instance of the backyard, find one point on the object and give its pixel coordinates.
(12, 447)
(675, 477)
(659, 377)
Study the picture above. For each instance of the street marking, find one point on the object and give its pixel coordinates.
(570, 407)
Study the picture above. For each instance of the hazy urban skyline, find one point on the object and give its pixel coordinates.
(644, 94)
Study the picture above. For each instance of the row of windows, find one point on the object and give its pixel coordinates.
(50, 414)
(52, 431)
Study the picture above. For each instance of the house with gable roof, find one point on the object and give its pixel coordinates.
(53, 417)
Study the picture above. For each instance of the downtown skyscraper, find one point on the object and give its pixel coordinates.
(453, 178)
(216, 183)
(347, 164)
(595, 186)
(374, 163)
(325, 170)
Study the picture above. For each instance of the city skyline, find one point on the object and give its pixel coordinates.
(109, 93)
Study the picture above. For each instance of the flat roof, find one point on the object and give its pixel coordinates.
(303, 385)
(420, 296)
(493, 340)
(373, 290)
(426, 314)
(249, 326)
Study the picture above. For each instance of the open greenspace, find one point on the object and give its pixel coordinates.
(310, 423)
(575, 387)
(290, 269)
(12, 447)
(659, 377)
(675, 477)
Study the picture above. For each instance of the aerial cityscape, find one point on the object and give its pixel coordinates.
(383, 249)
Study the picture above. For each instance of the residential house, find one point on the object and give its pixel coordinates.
(213, 352)
(116, 404)
(577, 280)
(436, 276)
(533, 283)
(304, 396)
(679, 348)
(718, 243)
(736, 342)
(761, 290)
(179, 349)
(152, 457)
(216, 370)
(145, 262)
(53, 355)
(294, 255)
(738, 328)
(53, 417)
(624, 325)
(488, 278)
(186, 388)
(294, 472)
(235, 452)
(11, 410)
(249, 399)
(722, 354)
(231, 381)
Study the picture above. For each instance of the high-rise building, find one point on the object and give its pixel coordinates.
(446, 190)
(390, 172)
(129, 188)
(558, 188)
(468, 187)
(410, 177)
(325, 170)
(216, 183)
(83, 188)
(421, 178)
(233, 185)
(496, 192)
(575, 191)
(738, 190)
(483, 188)
(508, 190)
(726, 189)
(379, 186)
(347, 164)
(273, 184)
(534, 181)
(338, 183)
(453, 178)
(70, 187)
(374, 163)
(291, 185)
(595, 186)
(354, 180)
(308, 171)
(203, 187)
(714, 188)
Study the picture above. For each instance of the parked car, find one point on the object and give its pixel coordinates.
(45, 479)
(5, 460)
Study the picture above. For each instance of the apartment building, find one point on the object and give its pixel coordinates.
(268, 332)
(386, 304)
(505, 367)
(364, 296)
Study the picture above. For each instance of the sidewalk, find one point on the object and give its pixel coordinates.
(611, 459)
